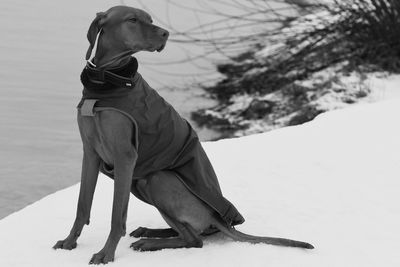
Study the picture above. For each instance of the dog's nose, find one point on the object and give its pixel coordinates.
(164, 33)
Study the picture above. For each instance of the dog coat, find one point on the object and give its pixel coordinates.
(163, 139)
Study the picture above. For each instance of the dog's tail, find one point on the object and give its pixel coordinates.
(242, 237)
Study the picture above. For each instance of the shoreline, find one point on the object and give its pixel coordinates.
(296, 103)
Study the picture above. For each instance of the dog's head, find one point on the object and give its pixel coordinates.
(126, 29)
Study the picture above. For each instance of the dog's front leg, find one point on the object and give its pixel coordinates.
(123, 168)
(90, 172)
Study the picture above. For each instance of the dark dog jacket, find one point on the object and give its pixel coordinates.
(163, 139)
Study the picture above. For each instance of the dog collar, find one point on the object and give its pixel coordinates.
(106, 81)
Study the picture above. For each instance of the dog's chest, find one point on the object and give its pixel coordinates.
(93, 135)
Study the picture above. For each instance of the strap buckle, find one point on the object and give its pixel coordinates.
(87, 107)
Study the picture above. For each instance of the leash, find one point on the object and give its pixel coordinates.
(94, 50)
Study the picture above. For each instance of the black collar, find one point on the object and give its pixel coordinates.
(106, 80)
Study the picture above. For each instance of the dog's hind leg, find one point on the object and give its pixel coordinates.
(154, 233)
(140, 190)
(168, 194)
(188, 238)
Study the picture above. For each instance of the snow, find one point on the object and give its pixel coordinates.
(333, 182)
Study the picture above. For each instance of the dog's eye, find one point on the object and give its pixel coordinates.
(134, 20)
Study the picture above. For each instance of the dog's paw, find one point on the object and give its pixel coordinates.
(65, 244)
(146, 245)
(139, 245)
(102, 258)
(139, 232)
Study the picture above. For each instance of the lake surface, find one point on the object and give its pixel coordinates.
(42, 50)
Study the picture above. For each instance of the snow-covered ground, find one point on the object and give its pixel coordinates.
(333, 182)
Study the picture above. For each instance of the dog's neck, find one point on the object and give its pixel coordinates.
(104, 55)
(109, 61)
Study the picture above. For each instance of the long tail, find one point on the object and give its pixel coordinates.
(242, 237)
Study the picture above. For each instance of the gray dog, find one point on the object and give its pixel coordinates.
(135, 137)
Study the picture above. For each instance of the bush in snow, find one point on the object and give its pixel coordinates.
(343, 37)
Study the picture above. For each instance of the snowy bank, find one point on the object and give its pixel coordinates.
(333, 182)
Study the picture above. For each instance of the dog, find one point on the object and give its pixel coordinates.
(135, 137)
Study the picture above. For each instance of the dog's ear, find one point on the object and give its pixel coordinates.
(94, 28)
